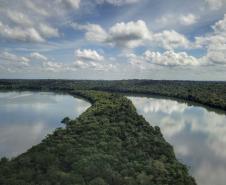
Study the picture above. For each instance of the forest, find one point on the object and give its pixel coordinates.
(109, 144)
(212, 94)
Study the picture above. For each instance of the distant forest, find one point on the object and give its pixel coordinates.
(211, 94)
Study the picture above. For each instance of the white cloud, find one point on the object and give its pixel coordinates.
(80, 64)
(117, 2)
(73, 3)
(92, 65)
(125, 35)
(188, 19)
(220, 26)
(11, 61)
(215, 4)
(21, 34)
(215, 56)
(28, 34)
(84, 59)
(48, 31)
(53, 66)
(170, 39)
(131, 34)
(18, 18)
(88, 54)
(91, 59)
(37, 9)
(172, 20)
(170, 58)
(215, 43)
(6, 56)
(94, 32)
(34, 61)
(38, 56)
(137, 61)
(31, 21)
(150, 60)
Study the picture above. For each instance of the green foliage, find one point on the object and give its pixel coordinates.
(212, 94)
(109, 144)
(66, 120)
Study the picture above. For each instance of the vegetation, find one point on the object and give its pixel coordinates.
(212, 94)
(109, 144)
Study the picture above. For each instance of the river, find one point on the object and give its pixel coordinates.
(197, 134)
(28, 117)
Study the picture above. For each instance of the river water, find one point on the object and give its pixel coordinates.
(28, 117)
(198, 135)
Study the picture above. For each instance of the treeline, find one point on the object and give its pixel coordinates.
(212, 94)
(109, 144)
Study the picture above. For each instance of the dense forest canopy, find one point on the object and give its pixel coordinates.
(212, 94)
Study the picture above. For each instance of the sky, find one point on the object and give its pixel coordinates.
(113, 39)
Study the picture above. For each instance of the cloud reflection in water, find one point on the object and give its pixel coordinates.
(198, 135)
(26, 118)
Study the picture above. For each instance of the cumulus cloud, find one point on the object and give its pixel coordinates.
(48, 31)
(88, 54)
(34, 61)
(10, 57)
(215, 43)
(94, 32)
(151, 59)
(170, 39)
(123, 35)
(137, 61)
(91, 59)
(31, 21)
(175, 19)
(132, 34)
(21, 34)
(170, 58)
(38, 56)
(84, 59)
(188, 19)
(10, 62)
(18, 18)
(220, 26)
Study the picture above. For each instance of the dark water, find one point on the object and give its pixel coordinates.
(26, 118)
(198, 136)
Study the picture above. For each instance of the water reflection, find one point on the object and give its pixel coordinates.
(26, 118)
(198, 136)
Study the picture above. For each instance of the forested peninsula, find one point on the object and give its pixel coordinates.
(109, 144)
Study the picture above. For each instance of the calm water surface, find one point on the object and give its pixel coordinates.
(198, 136)
(27, 117)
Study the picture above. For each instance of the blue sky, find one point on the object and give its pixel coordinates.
(113, 39)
